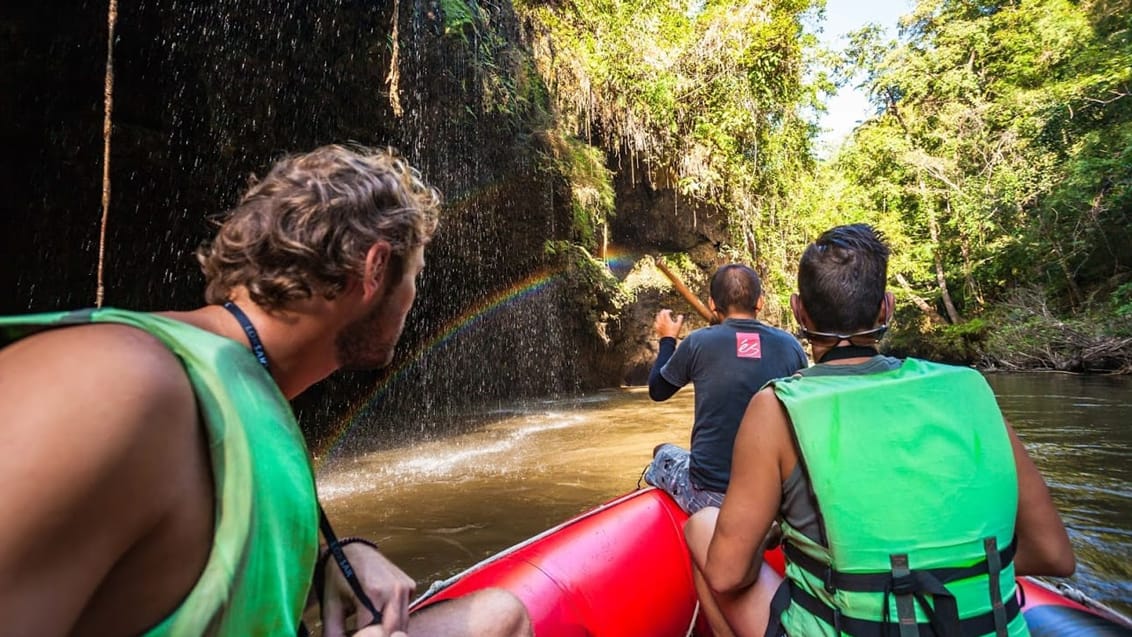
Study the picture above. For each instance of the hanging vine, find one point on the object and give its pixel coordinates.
(394, 77)
(108, 101)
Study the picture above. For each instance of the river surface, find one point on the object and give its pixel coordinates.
(440, 506)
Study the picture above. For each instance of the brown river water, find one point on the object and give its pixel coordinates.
(440, 506)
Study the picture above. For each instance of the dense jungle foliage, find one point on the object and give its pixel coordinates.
(1000, 165)
(998, 161)
(705, 97)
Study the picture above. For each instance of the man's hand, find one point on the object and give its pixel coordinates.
(388, 587)
(666, 325)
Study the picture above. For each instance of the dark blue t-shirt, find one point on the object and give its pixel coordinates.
(727, 364)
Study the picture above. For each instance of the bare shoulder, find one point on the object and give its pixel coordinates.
(766, 412)
(765, 431)
(98, 423)
(766, 398)
(107, 387)
(110, 388)
(763, 434)
(110, 359)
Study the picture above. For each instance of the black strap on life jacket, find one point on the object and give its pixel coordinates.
(788, 594)
(907, 595)
(335, 549)
(332, 543)
(994, 570)
(910, 588)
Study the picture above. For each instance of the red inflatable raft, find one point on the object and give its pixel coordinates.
(622, 570)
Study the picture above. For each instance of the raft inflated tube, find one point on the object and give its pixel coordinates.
(623, 570)
(1052, 612)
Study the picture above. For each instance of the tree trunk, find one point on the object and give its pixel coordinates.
(941, 279)
(1074, 291)
(968, 276)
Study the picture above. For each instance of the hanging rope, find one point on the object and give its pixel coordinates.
(108, 97)
(394, 77)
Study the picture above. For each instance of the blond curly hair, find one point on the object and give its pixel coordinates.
(305, 228)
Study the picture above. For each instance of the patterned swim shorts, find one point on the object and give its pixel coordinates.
(669, 471)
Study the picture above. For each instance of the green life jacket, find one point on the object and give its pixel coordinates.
(913, 474)
(265, 544)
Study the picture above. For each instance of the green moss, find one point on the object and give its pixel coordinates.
(913, 334)
(1122, 301)
(500, 72)
(684, 266)
(460, 17)
(528, 97)
(589, 285)
(590, 183)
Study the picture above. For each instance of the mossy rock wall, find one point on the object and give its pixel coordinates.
(204, 97)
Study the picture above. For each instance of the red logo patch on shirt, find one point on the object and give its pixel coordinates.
(748, 346)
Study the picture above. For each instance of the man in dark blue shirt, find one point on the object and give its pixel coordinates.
(727, 363)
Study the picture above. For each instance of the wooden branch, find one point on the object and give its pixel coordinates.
(1118, 95)
(924, 306)
(692, 299)
(890, 102)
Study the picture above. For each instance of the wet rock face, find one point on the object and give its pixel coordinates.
(652, 215)
(205, 95)
(652, 219)
(51, 67)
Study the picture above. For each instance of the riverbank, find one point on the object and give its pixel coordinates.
(1022, 337)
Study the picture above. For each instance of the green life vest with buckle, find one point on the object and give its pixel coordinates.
(913, 474)
(265, 541)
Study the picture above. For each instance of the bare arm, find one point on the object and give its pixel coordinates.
(754, 494)
(86, 466)
(1043, 544)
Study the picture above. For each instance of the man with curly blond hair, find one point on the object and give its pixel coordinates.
(170, 492)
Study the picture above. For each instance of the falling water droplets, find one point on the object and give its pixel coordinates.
(210, 93)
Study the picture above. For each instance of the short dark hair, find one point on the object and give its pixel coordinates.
(736, 286)
(842, 278)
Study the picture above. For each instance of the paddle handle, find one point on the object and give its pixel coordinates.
(692, 299)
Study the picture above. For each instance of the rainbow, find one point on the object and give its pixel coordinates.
(473, 315)
(618, 258)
